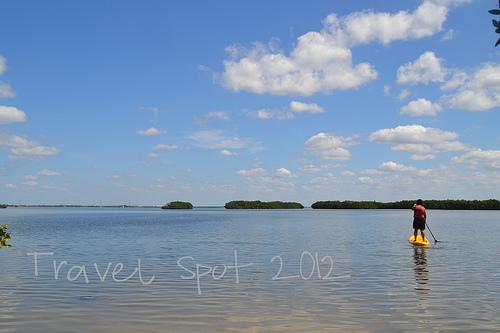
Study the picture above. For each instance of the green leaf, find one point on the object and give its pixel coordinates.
(4, 236)
(494, 11)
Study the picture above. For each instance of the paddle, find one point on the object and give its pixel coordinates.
(435, 240)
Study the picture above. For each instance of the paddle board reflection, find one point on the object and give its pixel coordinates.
(421, 271)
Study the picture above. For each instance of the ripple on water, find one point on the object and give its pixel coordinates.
(385, 284)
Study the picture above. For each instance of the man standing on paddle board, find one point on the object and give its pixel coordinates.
(419, 218)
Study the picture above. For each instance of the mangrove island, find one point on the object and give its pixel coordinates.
(241, 204)
(178, 205)
(490, 204)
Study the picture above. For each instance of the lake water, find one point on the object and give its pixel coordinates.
(299, 271)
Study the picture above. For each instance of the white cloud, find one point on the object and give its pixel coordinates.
(473, 101)
(450, 146)
(314, 66)
(10, 186)
(6, 91)
(370, 172)
(434, 148)
(220, 115)
(296, 106)
(310, 168)
(203, 68)
(412, 147)
(403, 94)
(326, 181)
(451, 2)
(393, 166)
(255, 172)
(215, 139)
(387, 89)
(266, 114)
(457, 79)
(3, 65)
(115, 177)
(30, 180)
(412, 134)
(165, 146)
(226, 152)
(20, 146)
(421, 107)
(365, 27)
(365, 180)
(257, 178)
(152, 131)
(323, 141)
(329, 147)
(217, 115)
(151, 109)
(479, 91)
(335, 154)
(35, 150)
(427, 68)
(322, 61)
(424, 172)
(427, 157)
(283, 172)
(263, 114)
(419, 139)
(489, 158)
(285, 113)
(10, 114)
(449, 34)
(348, 173)
(48, 173)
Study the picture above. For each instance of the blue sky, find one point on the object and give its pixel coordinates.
(121, 102)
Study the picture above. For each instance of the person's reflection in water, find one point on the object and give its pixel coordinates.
(421, 272)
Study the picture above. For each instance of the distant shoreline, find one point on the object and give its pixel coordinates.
(97, 206)
(490, 204)
(80, 206)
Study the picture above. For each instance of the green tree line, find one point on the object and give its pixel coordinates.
(178, 205)
(490, 204)
(241, 204)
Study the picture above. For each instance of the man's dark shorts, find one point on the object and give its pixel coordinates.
(419, 223)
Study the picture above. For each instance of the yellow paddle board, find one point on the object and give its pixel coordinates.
(419, 241)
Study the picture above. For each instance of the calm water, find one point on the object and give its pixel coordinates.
(379, 282)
